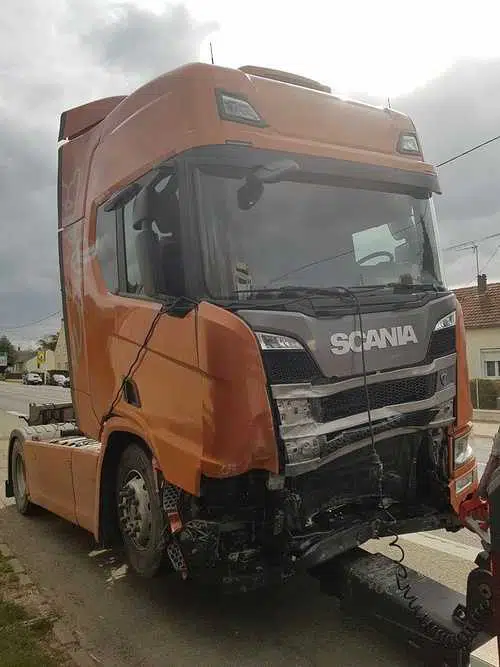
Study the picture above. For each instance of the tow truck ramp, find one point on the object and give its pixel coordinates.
(443, 626)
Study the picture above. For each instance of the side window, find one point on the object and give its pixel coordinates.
(106, 247)
(151, 227)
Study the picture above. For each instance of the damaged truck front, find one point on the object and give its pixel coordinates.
(267, 368)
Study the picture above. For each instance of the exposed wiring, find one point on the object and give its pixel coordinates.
(377, 460)
(165, 309)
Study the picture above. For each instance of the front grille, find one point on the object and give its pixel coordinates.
(393, 392)
(442, 343)
(289, 366)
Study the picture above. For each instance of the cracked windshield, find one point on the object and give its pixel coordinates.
(311, 234)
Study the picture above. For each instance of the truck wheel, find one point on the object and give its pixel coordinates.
(18, 472)
(139, 512)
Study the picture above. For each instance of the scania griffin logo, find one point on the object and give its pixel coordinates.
(343, 343)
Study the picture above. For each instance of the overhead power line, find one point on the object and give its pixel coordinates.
(469, 150)
(470, 244)
(29, 324)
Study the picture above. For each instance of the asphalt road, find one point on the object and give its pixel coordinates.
(16, 397)
(129, 622)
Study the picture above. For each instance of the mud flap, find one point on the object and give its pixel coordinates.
(425, 614)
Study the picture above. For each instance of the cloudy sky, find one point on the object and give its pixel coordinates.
(440, 65)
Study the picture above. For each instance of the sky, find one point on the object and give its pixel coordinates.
(439, 64)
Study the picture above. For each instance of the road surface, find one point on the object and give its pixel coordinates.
(129, 622)
(16, 397)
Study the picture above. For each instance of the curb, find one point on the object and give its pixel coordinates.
(486, 655)
(64, 638)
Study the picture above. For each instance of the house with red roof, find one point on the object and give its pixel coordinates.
(481, 308)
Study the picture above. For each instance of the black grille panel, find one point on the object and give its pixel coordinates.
(353, 401)
(289, 366)
(442, 343)
(355, 476)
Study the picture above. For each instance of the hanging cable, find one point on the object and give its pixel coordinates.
(473, 625)
(164, 310)
(29, 324)
(470, 150)
(377, 460)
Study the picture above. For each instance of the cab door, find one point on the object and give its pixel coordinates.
(134, 331)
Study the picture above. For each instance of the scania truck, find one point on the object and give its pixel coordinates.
(267, 368)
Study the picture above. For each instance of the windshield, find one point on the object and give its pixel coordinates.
(311, 232)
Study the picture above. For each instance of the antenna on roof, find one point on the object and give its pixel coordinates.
(474, 246)
(211, 53)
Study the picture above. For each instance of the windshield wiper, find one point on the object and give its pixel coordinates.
(416, 287)
(295, 292)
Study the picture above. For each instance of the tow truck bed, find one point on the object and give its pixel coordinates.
(430, 616)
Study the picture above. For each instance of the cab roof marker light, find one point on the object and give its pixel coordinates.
(408, 144)
(447, 321)
(236, 108)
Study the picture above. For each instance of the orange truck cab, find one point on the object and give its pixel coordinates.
(267, 368)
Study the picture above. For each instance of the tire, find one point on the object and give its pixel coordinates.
(140, 515)
(18, 473)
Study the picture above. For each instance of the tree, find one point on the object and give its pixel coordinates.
(7, 348)
(48, 342)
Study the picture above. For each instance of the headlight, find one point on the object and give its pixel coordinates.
(465, 481)
(447, 321)
(463, 452)
(294, 411)
(303, 449)
(268, 341)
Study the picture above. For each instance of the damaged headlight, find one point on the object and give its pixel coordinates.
(304, 449)
(294, 411)
(462, 451)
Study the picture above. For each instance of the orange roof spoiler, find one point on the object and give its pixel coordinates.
(78, 120)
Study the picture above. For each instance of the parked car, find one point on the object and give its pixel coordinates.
(60, 380)
(32, 378)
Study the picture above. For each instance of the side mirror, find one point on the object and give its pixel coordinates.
(251, 191)
(275, 171)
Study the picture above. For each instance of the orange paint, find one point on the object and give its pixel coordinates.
(464, 412)
(204, 403)
(49, 479)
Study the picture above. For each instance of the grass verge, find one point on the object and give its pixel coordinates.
(24, 638)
